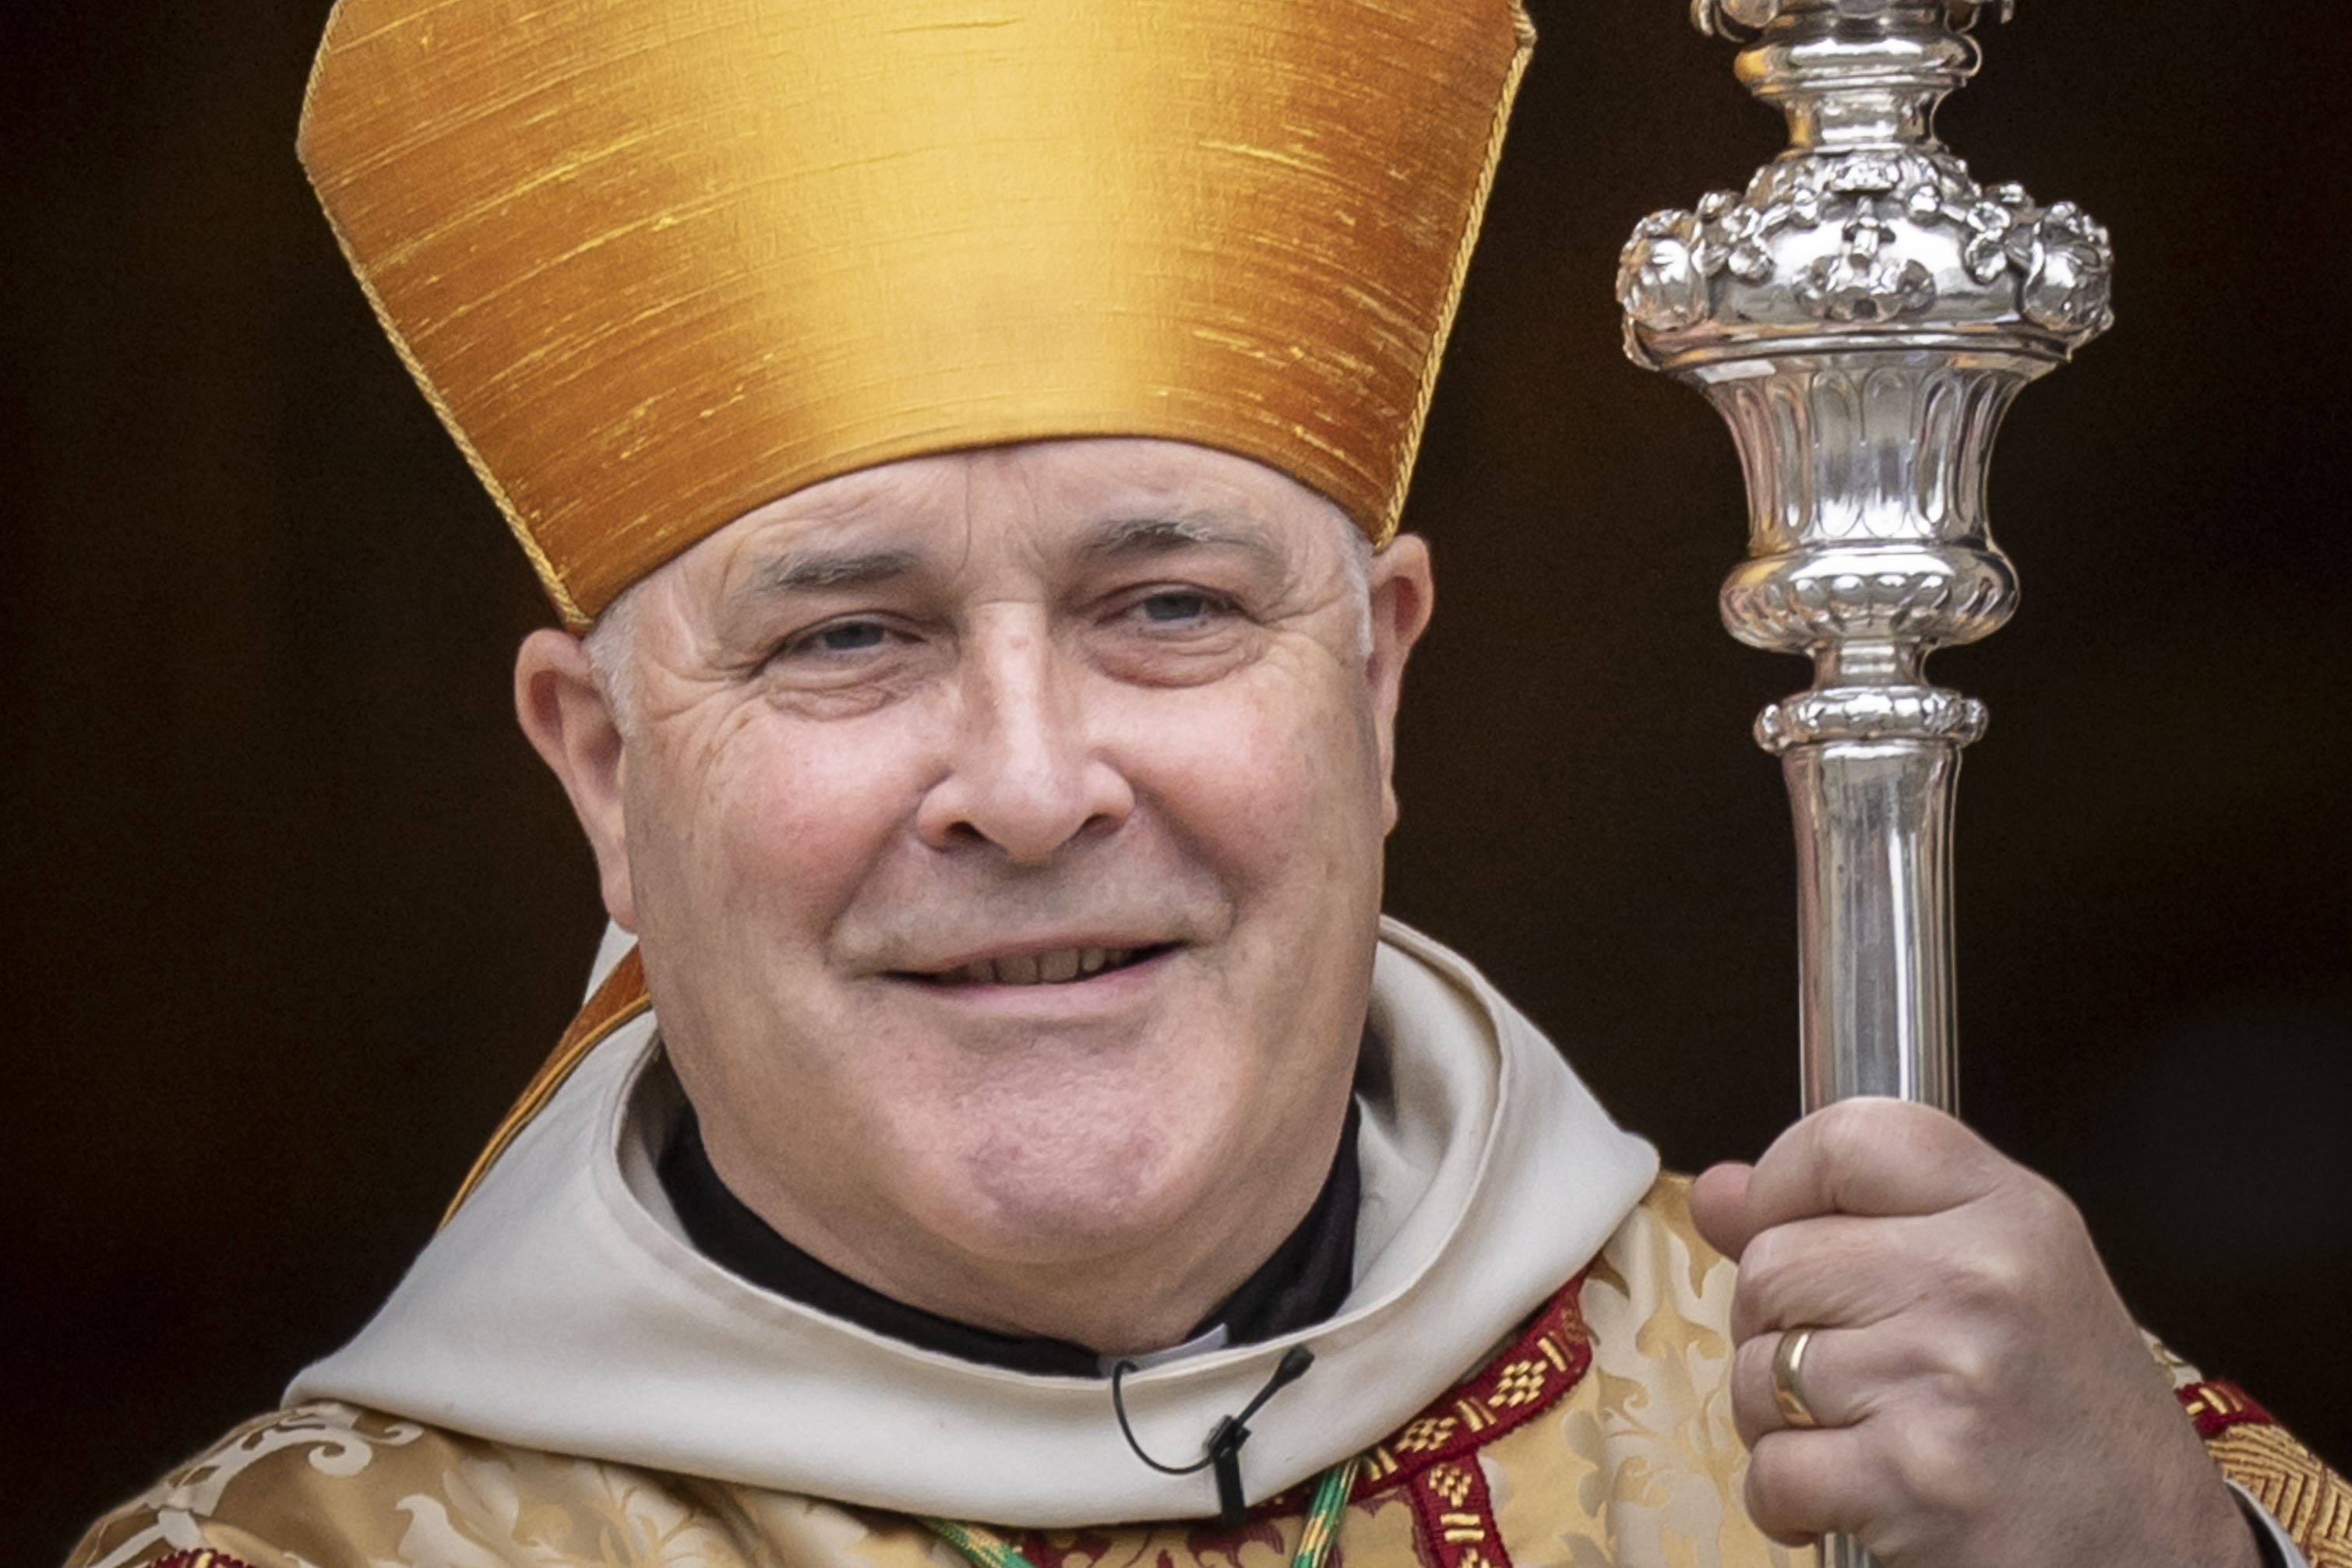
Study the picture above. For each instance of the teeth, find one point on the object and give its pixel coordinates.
(1042, 968)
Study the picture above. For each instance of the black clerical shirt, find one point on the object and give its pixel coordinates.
(1303, 1282)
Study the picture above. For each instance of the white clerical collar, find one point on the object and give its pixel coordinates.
(560, 1310)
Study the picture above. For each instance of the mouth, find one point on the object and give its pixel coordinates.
(1057, 966)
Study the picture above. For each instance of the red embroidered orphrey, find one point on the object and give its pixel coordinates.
(1432, 1457)
(2217, 1406)
(202, 1557)
(1435, 1456)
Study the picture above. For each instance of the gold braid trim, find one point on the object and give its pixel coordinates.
(1524, 30)
(617, 1001)
(2311, 1502)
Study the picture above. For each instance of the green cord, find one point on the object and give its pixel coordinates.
(1321, 1531)
(985, 1549)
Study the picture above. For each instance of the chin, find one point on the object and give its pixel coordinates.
(1077, 1189)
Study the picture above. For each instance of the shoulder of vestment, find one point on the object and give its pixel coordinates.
(326, 1484)
(1599, 1434)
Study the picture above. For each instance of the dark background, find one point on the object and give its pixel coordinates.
(290, 912)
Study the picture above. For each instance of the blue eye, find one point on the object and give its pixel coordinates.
(850, 637)
(1164, 608)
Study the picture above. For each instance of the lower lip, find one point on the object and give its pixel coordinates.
(1108, 988)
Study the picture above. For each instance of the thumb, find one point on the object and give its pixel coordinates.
(1719, 1205)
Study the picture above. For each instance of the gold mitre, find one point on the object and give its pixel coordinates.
(656, 261)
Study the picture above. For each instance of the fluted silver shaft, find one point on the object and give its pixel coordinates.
(1874, 905)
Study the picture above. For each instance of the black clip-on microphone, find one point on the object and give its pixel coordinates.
(1225, 1446)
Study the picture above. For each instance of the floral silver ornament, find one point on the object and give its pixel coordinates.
(1865, 281)
(1662, 274)
(1876, 235)
(1991, 223)
(2069, 264)
(1659, 281)
(1730, 236)
(1742, 18)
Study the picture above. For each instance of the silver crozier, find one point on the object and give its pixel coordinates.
(1861, 317)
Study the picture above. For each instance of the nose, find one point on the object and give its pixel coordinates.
(1021, 774)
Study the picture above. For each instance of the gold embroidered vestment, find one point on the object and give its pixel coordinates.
(1601, 1435)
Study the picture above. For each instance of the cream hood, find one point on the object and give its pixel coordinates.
(561, 1308)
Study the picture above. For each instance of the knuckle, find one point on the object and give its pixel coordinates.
(1998, 1277)
(1859, 1144)
(1763, 1277)
(1966, 1375)
(1848, 1137)
(1994, 1281)
(1793, 1491)
(1770, 1489)
(2050, 1214)
(1989, 1365)
(1751, 1364)
(1752, 1409)
(1937, 1461)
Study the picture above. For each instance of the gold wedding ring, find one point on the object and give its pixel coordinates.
(1788, 1368)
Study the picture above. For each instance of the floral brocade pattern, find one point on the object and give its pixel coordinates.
(1599, 1437)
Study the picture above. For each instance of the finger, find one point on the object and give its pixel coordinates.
(1835, 1379)
(1718, 1205)
(1803, 1485)
(1837, 1270)
(1871, 1156)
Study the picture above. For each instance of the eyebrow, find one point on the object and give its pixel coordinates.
(804, 570)
(811, 570)
(1142, 537)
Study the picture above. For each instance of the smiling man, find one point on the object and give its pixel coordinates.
(1023, 923)
(964, 445)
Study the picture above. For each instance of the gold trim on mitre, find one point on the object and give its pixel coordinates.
(657, 262)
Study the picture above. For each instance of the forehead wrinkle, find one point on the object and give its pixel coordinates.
(821, 528)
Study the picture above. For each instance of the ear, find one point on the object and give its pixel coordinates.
(1402, 594)
(564, 715)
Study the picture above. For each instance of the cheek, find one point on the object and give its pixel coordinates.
(1280, 799)
(767, 820)
(1279, 788)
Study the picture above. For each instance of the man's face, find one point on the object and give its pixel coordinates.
(1004, 832)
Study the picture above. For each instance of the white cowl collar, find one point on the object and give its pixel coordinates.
(563, 1309)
